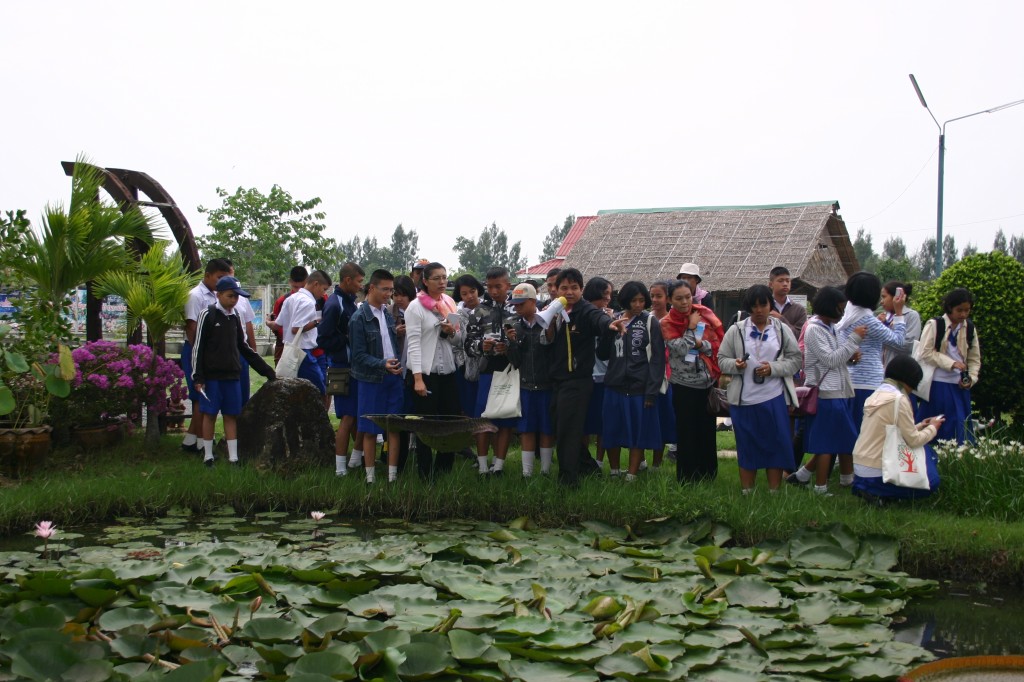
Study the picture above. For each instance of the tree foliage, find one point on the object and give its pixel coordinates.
(865, 251)
(265, 235)
(999, 243)
(894, 248)
(997, 282)
(397, 257)
(74, 246)
(1017, 248)
(490, 249)
(555, 238)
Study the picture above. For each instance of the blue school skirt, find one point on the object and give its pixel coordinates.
(831, 430)
(954, 402)
(467, 393)
(595, 411)
(536, 407)
(860, 396)
(667, 417)
(762, 435)
(873, 485)
(628, 424)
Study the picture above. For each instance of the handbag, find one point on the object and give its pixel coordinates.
(503, 396)
(807, 398)
(718, 403)
(902, 465)
(338, 380)
(924, 387)
(291, 357)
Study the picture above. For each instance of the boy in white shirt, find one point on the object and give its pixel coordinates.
(299, 313)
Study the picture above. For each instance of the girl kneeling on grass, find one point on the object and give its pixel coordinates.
(762, 355)
(902, 376)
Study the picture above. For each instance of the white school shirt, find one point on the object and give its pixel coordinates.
(245, 315)
(378, 314)
(763, 351)
(950, 376)
(298, 310)
(199, 299)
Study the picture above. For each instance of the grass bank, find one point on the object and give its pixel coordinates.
(972, 529)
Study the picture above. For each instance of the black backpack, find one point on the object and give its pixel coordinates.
(940, 332)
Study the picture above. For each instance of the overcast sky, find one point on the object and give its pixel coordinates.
(447, 116)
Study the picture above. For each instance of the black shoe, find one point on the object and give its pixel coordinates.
(236, 463)
(208, 463)
(792, 479)
(195, 447)
(497, 472)
(723, 427)
(873, 500)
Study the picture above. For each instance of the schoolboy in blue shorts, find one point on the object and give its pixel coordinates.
(529, 351)
(216, 366)
(375, 365)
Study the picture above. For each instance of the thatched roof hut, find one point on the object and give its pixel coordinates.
(734, 246)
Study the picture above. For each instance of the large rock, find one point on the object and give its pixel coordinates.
(285, 427)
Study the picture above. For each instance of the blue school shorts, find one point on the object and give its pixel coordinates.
(223, 395)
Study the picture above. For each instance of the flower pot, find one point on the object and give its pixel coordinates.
(24, 450)
(96, 437)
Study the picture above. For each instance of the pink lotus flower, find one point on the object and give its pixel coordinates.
(45, 529)
(317, 515)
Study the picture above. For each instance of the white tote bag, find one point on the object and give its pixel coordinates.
(924, 388)
(902, 465)
(291, 357)
(503, 397)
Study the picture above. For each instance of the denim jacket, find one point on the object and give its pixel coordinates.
(367, 348)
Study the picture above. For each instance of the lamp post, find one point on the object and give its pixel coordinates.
(942, 161)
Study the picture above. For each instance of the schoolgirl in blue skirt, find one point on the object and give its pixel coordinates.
(831, 431)
(955, 354)
(598, 291)
(761, 354)
(636, 372)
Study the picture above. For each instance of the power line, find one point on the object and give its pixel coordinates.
(925, 165)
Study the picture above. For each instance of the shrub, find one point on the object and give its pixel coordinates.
(997, 282)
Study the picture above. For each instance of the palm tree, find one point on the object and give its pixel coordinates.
(76, 245)
(155, 292)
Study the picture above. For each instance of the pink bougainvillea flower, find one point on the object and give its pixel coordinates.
(45, 529)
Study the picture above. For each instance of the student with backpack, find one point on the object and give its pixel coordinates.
(950, 345)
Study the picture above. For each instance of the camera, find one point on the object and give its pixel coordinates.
(965, 378)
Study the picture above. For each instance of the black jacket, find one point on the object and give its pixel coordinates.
(629, 370)
(586, 324)
(487, 318)
(218, 347)
(531, 357)
(332, 332)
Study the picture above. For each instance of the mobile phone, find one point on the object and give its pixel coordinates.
(899, 292)
(746, 356)
(939, 416)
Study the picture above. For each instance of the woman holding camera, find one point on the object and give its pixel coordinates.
(950, 344)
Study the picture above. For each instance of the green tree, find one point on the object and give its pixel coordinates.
(74, 246)
(398, 257)
(969, 250)
(265, 235)
(1017, 248)
(155, 292)
(490, 249)
(999, 244)
(997, 281)
(949, 256)
(902, 270)
(555, 238)
(865, 251)
(924, 259)
(366, 252)
(895, 249)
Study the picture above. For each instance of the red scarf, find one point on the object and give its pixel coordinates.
(675, 324)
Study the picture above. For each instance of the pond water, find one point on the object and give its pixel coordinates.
(796, 602)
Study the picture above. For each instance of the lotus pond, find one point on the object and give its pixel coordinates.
(278, 597)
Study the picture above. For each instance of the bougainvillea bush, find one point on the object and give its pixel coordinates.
(113, 382)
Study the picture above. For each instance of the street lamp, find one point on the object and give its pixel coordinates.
(942, 161)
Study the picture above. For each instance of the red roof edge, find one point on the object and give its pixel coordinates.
(577, 230)
(543, 268)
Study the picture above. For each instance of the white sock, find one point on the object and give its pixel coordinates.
(727, 421)
(233, 450)
(630, 477)
(340, 465)
(528, 458)
(845, 479)
(356, 460)
(748, 491)
(392, 473)
(207, 449)
(614, 472)
(546, 454)
(190, 439)
(481, 463)
(803, 475)
(499, 464)
(671, 447)
(821, 489)
(370, 474)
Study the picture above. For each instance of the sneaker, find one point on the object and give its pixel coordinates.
(793, 480)
(339, 474)
(208, 463)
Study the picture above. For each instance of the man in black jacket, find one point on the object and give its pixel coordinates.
(572, 372)
(216, 366)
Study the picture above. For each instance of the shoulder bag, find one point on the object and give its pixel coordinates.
(902, 465)
(291, 357)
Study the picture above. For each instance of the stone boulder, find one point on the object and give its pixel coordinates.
(284, 427)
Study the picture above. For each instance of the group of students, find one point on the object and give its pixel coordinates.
(640, 377)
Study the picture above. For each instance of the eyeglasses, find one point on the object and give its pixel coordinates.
(386, 290)
(438, 278)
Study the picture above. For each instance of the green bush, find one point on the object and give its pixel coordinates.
(997, 282)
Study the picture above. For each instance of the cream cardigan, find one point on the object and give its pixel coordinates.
(927, 352)
(877, 415)
(421, 335)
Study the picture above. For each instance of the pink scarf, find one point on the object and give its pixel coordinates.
(443, 307)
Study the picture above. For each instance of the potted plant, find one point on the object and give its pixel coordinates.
(26, 388)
